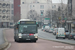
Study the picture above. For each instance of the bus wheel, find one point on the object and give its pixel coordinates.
(35, 41)
(64, 38)
(16, 40)
(56, 37)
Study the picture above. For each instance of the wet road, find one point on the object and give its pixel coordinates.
(39, 45)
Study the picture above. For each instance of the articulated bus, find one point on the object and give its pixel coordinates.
(26, 30)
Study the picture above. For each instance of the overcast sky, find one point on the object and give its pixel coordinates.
(58, 1)
(54, 1)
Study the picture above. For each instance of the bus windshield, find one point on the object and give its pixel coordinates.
(27, 28)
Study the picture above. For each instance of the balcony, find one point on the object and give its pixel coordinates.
(4, 5)
(4, 11)
(7, 11)
(8, 5)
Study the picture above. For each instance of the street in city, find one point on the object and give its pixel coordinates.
(50, 36)
(39, 45)
(48, 24)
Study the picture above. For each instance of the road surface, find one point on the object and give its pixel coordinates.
(39, 45)
(50, 36)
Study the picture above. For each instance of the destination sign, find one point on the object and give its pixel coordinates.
(27, 22)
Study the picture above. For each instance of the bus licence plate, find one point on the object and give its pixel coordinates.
(27, 39)
(26, 34)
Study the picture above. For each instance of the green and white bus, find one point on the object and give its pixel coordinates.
(26, 30)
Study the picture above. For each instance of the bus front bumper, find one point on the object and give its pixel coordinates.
(27, 38)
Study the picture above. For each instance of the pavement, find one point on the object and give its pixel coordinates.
(3, 42)
(50, 36)
(1, 36)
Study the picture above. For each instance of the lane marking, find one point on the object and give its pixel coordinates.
(8, 46)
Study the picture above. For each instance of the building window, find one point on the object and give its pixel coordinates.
(0, 4)
(0, 16)
(41, 6)
(33, 6)
(11, 23)
(12, 6)
(22, 2)
(7, 17)
(42, 12)
(7, 4)
(54, 6)
(3, 4)
(12, 12)
(0, 10)
(30, 6)
(3, 16)
(3, 11)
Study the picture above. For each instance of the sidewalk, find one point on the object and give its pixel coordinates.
(1, 36)
(3, 41)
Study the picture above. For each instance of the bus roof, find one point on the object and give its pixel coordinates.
(24, 20)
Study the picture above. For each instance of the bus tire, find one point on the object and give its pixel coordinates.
(56, 37)
(35, 41)
(64, 38)
(16, 40)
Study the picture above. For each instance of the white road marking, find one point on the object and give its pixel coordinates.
(8, 46)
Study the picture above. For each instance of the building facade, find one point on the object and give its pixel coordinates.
(33, 8)
(40, 9)
(17, 12)
(6, 13)
(73, 16)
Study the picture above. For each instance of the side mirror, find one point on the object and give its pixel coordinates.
(37, 25)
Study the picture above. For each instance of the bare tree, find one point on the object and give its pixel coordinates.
(48, 14)
(32, 14)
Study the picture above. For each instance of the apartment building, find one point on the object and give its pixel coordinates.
(23, 7)
(6, 13)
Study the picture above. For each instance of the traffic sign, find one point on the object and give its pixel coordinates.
(65, 18)
(47, 18)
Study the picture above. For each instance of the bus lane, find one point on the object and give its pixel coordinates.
(39, 45)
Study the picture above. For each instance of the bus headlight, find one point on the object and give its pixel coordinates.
(36, 35)
(20, 35)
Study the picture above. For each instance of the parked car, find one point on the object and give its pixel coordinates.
(47, 28)
(54, 31)
(67, 33)
(42, 28)
(74, 37)
(71, 36)
(60, 33)
(50, 30)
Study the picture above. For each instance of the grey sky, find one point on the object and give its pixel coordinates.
(58, 1)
